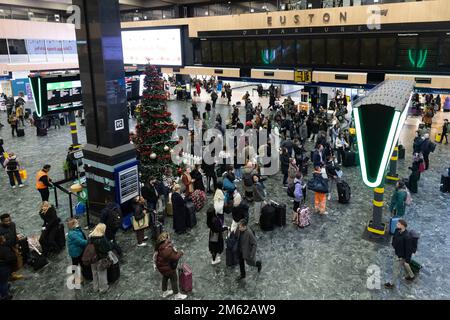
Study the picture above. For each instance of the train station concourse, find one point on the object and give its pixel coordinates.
(253, 151)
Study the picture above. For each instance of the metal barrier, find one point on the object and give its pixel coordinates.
(57, 185)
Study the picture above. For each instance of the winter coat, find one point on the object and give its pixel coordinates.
(298, 191)
(240, 212)
(7, 256)
(402, 243)
(150, 193)
(317, 159)
(425, 147)
(179, 213)
(284, 159)
(50, 218)
(102, 246)
(247, 245)
(417, 145)
(258, 192)
(187, 181)
(228, 188)
(166, 255)
(398, 202)
(292, 172)
(10, 234)
(216, 229)
(76, 242)
(198, 184)
(219, 201)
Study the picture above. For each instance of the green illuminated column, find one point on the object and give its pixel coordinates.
(392, 176)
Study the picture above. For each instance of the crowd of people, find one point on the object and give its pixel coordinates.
(235, 187)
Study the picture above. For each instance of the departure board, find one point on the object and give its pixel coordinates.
(128, 181)
(65, 95)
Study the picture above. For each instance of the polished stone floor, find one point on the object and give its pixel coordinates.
(328, 260)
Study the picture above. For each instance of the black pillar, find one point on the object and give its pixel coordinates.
(102, 75)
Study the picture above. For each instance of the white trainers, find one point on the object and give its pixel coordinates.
(217, 261)
(325, 213)
(167, 293)
(145, 238)
(143, 244)
(21, 185)
(180, 296)
(13, 187)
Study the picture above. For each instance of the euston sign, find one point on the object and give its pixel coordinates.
(312, 18)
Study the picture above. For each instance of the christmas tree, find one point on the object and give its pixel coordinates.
(154, 128)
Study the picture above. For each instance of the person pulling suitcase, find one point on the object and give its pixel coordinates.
(247, 249)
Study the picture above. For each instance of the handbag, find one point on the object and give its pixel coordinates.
(140, 224)
(318, 184)
(89, 255)
(104, 264)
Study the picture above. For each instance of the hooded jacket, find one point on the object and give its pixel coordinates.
(166, 255)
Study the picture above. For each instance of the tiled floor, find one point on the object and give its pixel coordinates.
(328, 260)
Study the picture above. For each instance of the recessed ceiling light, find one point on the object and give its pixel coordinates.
(206, 13)
(252, 10)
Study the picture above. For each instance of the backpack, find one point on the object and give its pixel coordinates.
(115, 218)
(291, 189)
(408, 199)
(12, 165)
(248, 180)
(89, 255)
(414, 238)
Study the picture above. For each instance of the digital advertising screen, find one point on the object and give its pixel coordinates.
(160, 47)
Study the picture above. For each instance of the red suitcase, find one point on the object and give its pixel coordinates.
(185, 278)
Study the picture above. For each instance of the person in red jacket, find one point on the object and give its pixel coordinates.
(166, 260)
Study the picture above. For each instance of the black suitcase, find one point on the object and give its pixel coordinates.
(266, 220)
(41, 132)
(62, 121)
(86, 272)
(350, 159)
(231, 255)
(20, 132)
(280, 214)
(157, 229)
(445, 183)
(401, 152)
(24, 249)
(191, 218)
(113, 273)
(37, 261)
(344, 192)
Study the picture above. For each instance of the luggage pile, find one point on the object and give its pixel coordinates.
(272, 214)
(199, 199)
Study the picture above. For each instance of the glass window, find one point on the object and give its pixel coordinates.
(368, 52)
(238, 52)
(216, 51)
(407, 52)
(303, 52)
(227, 52)
(250, 52)
(444, 54)
(351, 52)
(263, 54)
(334, 52)
(427, 54)
(275, 52)
(318, 51)
(17, 46)
(206, 51)
(54, 50)
(36, 50)
(3, 47)
(386, 51)
(70, 47)
(289, 52)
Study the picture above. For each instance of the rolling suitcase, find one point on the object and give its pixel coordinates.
(350, 159)
(280, 213)
(304, 218)
(231, 254)
(185, 278)
(445, 183)
(41, 132)
(24, 249)
(344, 192)
(401, 152)
(266, 220)
(191, 218)
(20, 132)
(86, 272)
(113, 273)
(157, 229)
(393, 224)
(37, 260)
(127, 222)
(60, 236)
(415, 266)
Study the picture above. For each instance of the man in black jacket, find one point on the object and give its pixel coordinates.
(426, 148)
(8, 230)
(150, 193)
(7, 262)
(402, 243)
(111, 216)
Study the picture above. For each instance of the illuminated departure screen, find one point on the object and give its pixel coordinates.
(64, 95)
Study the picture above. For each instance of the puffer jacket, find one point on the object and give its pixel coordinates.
(166, 255)
(76, 242)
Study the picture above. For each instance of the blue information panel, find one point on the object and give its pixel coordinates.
(127, 182)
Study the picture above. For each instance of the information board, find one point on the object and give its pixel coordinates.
(127, 182)
(303, 76)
